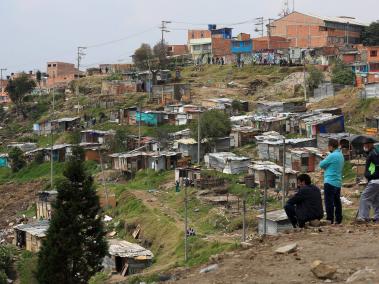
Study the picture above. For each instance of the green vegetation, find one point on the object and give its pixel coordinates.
(78, 256)
(6, 258)
(348, 173)
(370, 35)
(99, 278)
(342, 74)
(17, 160)
(315, 78)
(26, 267)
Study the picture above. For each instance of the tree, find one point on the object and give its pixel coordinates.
(315, 78)
(142, 55)
(75, 242)
(213, 124)
(160, 53)
(370, 34)
(237, 106)
(17, 90)
(119, 142)
(6, 258)
(342, 74)
(16, 157)
(39, 78)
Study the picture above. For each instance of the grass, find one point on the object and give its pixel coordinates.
(26, 267)
(33, 172)
(349, 175)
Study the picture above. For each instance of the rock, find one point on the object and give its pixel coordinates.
(315, 223)
(11, 224)
(328, 281)
(209, 268)
(366, 274)
(322, 270)
(287, 249)
(246, 245)
(112, 234)
(215, 258)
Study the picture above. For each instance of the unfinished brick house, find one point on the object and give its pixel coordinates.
(60, 73)
(309, 31)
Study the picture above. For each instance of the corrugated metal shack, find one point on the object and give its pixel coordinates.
(244, 135)
(44, 204)
(127, 258)
(342, 138)
(171, 94)
(304, 160)
(228, 163)
(30, 236)
(259, 170)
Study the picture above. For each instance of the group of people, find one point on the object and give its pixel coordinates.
(306, 204)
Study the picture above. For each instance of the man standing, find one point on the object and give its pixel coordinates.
(306, 204)
(333, 168)
(370, 196)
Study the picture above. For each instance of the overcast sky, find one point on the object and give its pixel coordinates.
(36, 31)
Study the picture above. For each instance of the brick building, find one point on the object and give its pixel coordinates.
(206, 46)
(273, 42)
(309, 31)
(177, 49)
(60, 73)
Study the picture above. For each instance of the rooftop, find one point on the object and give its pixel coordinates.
(37, 229)
(123, 248)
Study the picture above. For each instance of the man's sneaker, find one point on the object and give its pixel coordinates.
(360, 221)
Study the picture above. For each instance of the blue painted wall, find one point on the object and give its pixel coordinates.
(242, 46)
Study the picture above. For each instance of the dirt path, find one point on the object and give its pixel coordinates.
(349, 248)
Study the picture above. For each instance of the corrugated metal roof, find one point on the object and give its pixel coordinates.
(35, 229)
(123, 248)
(275, 216)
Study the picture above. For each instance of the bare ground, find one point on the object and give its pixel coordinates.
(348, 248)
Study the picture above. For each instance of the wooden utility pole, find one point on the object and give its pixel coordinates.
(80, 54)
(52, 143)
(164, 30)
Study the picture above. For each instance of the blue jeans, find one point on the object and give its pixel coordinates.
(333, 205)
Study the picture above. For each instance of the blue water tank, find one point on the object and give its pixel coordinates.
(212, 27)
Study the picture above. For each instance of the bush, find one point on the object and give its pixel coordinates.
(315, 78)
(17, 159)
(342, 74)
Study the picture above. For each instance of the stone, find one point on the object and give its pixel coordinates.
(246, 245)
(209, 268)
(287, 249)
(315, 223)
(322, 270)
(366, 274)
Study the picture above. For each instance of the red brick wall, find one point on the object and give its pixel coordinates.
(196, 34)
(221, 47)
(275, 43)
(60, 69)
(178, 49)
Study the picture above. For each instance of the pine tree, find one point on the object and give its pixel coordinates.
(75, 243)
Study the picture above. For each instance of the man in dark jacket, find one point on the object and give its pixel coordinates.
(306, 204)
(370, 196)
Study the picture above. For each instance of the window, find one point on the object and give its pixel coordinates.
(202, 35)
(48, 65)
(304, 161)
(323, 29)
(193, 35)
(196, 47)
(373, 53)
(54, 65)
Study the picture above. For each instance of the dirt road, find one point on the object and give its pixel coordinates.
(348, 248)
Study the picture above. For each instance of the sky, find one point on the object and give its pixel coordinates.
(37, 31)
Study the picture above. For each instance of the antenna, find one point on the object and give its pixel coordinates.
(286, 8)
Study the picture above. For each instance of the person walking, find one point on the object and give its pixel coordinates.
(370, 196)
(333, 167)
(306, 204)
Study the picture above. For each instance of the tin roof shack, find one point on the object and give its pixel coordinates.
(128, 115)
(304, 160)
(293, 106)
(60, 152)
(271, 147)
(321, 123)
(342, 138)
(274, 175)
(228, 163)
(244, 135)
(270, 123)
(171, 94)
(188, 147)
(24, 147)
(189, 173)
(182, 134)
(43, 204)
(96, 136)
(30, 236)
(95, 152)
(372, 125)
(276, 222)
(126, 258)
(4, 163)
(118, 88)
(150, 118)
(149, 143)
(224, 104)
(58, 125)
(135, 161)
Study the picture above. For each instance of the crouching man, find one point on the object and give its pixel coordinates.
(306, 204)
(370, 196)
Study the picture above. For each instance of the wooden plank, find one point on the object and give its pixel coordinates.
(125, 270)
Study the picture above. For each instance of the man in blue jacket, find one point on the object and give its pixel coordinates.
(333, 168)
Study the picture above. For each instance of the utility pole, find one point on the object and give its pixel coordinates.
(185, 221)
(1, 79)
(52, 143)
(265, 206)
(198, 138)
(269, 31)
(139, 124)
(104, 184)
(244, 219)
(305, 81)
(284, 174)
(80, 56)
(261, 24)
(164, 29)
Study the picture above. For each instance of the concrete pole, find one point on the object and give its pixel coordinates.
(198, 138)
(185, 222)
(244, 220)
(1, 79)
(265, 206)
(52, 144)
(284, 174)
